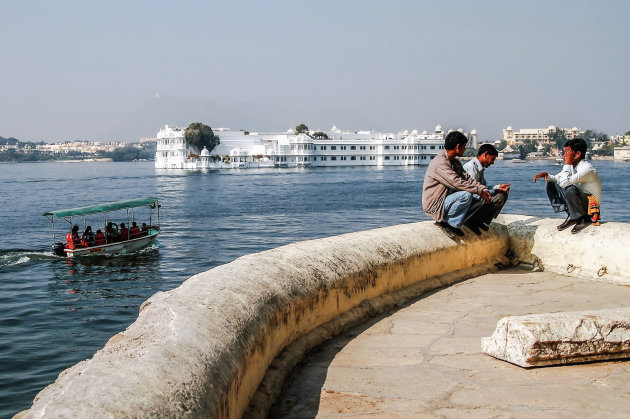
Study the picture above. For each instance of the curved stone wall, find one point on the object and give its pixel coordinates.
(204, 348)
(598, 252)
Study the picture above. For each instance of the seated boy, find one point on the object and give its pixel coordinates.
(577, 189)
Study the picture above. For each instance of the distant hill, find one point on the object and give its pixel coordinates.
(10, 141)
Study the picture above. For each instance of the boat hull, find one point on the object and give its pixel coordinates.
(112, 248)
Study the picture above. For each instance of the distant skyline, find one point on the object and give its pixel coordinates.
(116, 70)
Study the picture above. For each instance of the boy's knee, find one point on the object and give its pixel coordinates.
(466, 197)
(571, 190)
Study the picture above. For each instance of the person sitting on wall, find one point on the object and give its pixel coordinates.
(88, 237)
(134, 231)
(73, 239)
(577, 189)
(475, 168)
(448, 191)
(124, 232)
(99, 238)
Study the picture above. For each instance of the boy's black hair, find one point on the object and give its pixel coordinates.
(453, 139)
(577, 144)
(487, 148)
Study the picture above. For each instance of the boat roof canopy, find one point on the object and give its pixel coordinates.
(109, 206)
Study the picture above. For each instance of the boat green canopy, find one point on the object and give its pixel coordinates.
(110, 206)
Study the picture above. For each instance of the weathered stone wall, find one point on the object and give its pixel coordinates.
(202, 349)
(597, 252)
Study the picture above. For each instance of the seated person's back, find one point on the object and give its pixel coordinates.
(88, 237)
(134, 231)
(99, 238)
(124, 232)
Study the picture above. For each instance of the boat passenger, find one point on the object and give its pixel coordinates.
(111, 232)
(73, 239)
(145, 229)
(99, 239)
(134, 231)
(124, 232)
(88, 237)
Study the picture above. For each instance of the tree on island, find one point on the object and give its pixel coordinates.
(470, 152)
(591, 135)
(558, 137)
(302, 128)
(320, 135)
(200, 135)
(608, 149)
(528, 146)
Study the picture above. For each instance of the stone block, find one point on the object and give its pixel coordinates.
(536, 340)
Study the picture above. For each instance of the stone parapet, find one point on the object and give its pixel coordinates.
(597, 252)
(204, 348)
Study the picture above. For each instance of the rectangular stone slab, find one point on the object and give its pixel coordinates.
(537, 340)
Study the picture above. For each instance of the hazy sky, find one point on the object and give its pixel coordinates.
(119, 70)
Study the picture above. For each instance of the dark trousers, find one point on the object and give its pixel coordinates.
(570, 199)
(480, 212)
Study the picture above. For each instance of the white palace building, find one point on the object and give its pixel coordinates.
(239, 149)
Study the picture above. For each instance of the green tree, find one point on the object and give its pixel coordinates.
(592, 135)
(547, 149)
(320, 135)
(302, 128)
(502, 144)
(126, 153)
(470, 152)
(558, 138)
(200, 135)
(528, 146)
(607, 149)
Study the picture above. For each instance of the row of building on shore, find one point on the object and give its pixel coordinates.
(239, 149)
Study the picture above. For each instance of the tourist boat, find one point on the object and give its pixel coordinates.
(147, 235)
(518, 161)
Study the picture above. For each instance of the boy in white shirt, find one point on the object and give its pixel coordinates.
(570, 189)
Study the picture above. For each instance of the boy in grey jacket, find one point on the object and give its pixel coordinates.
(447, 193)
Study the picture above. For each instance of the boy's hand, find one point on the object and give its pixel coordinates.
(541, 174)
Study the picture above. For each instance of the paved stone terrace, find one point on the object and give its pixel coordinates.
(425, 359)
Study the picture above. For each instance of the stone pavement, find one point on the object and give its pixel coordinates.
(425, 359)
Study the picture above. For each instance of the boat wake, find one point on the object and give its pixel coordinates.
(12, 258)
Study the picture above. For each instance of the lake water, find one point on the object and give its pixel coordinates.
(55, 312)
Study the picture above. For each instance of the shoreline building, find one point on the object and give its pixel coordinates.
(239, 149)
(541, 135)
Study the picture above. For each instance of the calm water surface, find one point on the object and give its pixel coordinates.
(55, 313)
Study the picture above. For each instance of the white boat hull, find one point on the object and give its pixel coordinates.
(112, 248)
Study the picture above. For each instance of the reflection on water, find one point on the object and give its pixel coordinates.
(56, 312)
